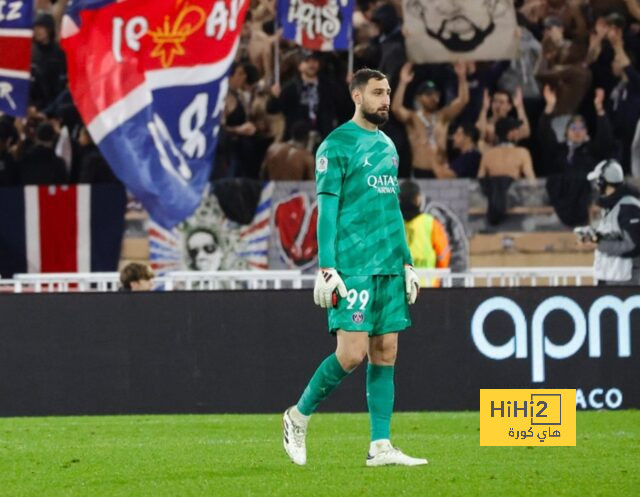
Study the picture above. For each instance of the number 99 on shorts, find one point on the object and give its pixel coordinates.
(534, 417)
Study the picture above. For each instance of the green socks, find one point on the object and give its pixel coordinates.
(380, 394)
(327, 377)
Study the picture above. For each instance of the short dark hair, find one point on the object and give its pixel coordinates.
(504, 92)
(300, 130)
(45, 132)
(362, 76)
(133, 272)
(505, 126)
(409, 190)
(470, 130)
(253, 75)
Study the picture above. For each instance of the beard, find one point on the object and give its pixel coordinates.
(376, 117)
(456, 43)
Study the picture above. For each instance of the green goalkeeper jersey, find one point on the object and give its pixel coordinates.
(360, 167)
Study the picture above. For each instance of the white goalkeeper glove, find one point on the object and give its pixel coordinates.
(328, 281)
(411, 284)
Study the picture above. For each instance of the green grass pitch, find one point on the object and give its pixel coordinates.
(229, 455)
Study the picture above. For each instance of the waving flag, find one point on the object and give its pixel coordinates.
(322, 25)
(149, 78)
(16, 30)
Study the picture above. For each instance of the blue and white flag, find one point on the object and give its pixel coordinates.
(320, 25)
(149, 77)
(16, 31)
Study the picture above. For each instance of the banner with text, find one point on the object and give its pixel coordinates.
(320, 25)
(16, 31)
(149, 78)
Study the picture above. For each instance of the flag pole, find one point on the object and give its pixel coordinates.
(276, 51)
(350, 56)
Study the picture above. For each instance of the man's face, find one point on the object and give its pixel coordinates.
(460, 25)
(577, 132)
(40, 35)
(204, 252)
(430, 100)
(238, 78)
(555, 34)
(458, 138)
(614, 33)
(374, 101)
(309, 67)
(500, 105)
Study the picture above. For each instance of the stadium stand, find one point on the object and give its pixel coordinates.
(583, 55)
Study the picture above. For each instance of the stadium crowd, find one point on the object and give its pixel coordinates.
(570, 99)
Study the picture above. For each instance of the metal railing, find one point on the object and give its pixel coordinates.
(291, 279)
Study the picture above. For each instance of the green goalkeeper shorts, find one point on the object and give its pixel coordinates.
(375, 304)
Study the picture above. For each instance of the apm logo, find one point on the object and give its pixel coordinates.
(541, 346)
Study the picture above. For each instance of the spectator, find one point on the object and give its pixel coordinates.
(501, 105)
(237, 129)
(8, 171)
(290, 161)
(136, 277)
(562, 66)
(48, 63)
(466, 164)
(93, 168)
(309, 97)
(427, 127)
(388, 47)
(41, 166)
(258, 45)
(578, 154)
(624, 98)
(506, 159)
(427, 239)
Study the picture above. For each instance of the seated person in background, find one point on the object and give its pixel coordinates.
(506, 159)
(427, 127)
(136, 277)
(291, 160)
(426, 237)
(578, 154)
(465, 165)
(501, 106)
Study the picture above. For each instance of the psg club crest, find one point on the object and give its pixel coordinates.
(357, 317)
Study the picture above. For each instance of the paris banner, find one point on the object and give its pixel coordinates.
(320, 25)
(149, 78)
(16, 23)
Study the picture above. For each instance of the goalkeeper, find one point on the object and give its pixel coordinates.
(365, 277)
